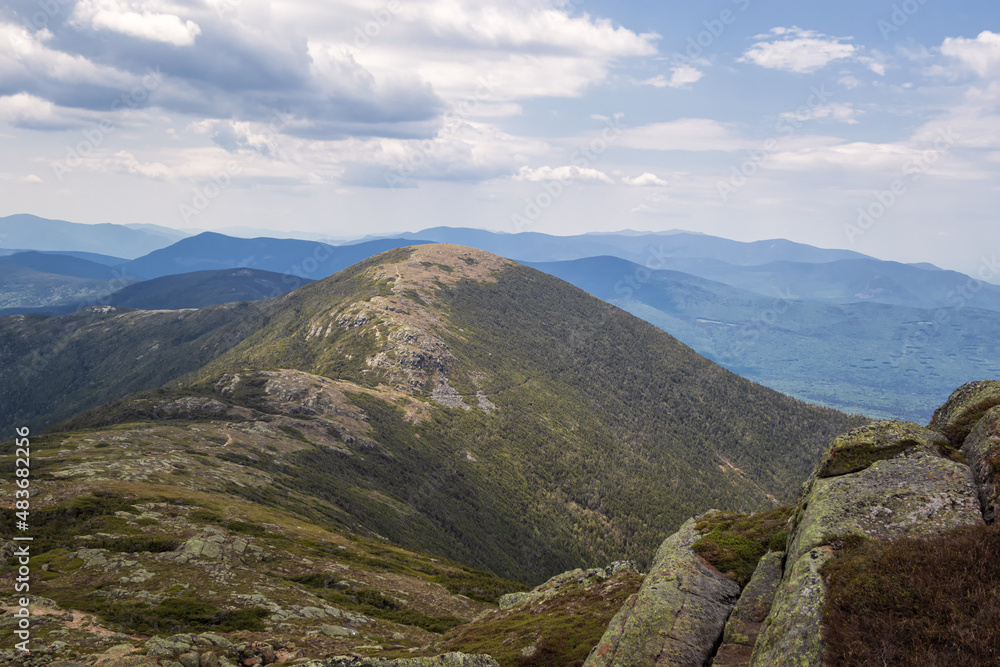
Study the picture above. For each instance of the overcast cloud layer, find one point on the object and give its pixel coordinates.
(870, 126)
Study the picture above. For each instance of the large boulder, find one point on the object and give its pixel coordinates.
(982, 448)
(880, 440)
(966, 406)
(793, 631)
(447, 660)
(917, 494)
(744, 624)
(678, 615)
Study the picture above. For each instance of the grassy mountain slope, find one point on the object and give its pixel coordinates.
(135, 533)
(515, 423)
(883, 360)
(53, 367)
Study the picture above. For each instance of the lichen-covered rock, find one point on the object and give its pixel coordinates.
(916, 495)
(883, 439)
(446, 660)
(747, 618)
(982, 448)
(677, 616)
(964, 408)
(792, 632)
(559, 582)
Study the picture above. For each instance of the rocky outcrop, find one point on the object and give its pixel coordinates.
(677, 616)
(883, 439)
(886, 480)
(447, 660)
(907, 489)
(561, 582)
(982, 448)
(754, 605)
(965, 408)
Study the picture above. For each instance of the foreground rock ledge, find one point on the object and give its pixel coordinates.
(677, 616)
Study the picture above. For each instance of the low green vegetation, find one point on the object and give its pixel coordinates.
(372, 603)
(58, 526)
(559, 631)
(914, 601)
(172, 615)
(735, 543)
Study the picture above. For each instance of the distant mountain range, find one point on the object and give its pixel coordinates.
(30, 232)
(830, 326)
(210, 251)
(878, 359)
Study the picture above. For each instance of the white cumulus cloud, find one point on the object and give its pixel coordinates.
(563, 173)
(797, 50)
(982, 54)
(644, 180)
(137, 19)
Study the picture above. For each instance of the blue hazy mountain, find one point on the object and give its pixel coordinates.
(211, 252)
(61, 265)
(880, 359)
(30, 232)
(637, 247)
(768, 267)
(204, 288)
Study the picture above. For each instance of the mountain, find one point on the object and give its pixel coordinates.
(25, 288)
(210, 251)
(643, 248)
(850, 281)
(204, 288)
(883, 360)
(61, 265)
(495, 415)
(770, 268)
(31, 232)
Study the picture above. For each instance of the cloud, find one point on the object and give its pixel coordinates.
(843, 112)
(645, 180)
(563, 173)
(796, 50)
(685, 134)
(981, 55)
(679, 77)
(137, 18)
(27, 111)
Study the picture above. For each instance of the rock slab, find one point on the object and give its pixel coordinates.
(678, 615)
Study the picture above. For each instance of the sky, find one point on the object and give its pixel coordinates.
(862, 124)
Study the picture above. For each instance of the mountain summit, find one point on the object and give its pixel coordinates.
(456, 402)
